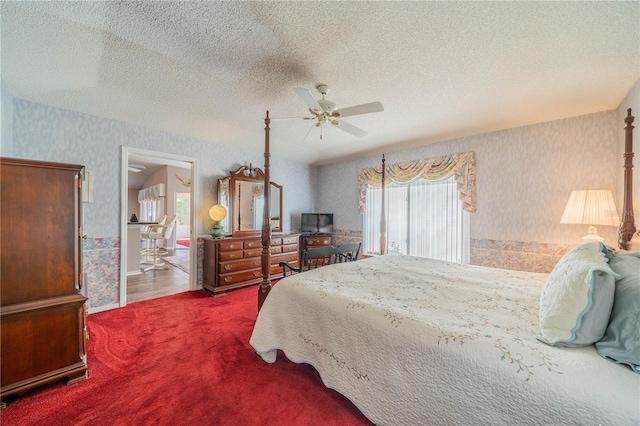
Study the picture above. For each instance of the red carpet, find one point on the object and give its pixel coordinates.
(183, 360)
(184, 243)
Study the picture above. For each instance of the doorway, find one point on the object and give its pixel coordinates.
(158, 171)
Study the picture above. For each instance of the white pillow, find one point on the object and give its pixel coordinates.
(577, 298)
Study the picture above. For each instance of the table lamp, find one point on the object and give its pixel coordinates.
(591, 207)
(217, 213)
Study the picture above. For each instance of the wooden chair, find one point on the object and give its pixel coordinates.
(348, 252)
(311, 259)
(322, 256)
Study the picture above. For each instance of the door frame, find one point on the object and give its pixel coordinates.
(127, 151)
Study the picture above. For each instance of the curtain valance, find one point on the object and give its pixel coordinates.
(462, 166)
(151, 193)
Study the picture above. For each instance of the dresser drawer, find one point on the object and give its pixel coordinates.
(290, 240)
(317, 241)
(255, 252)
(290, 248)
(229, 245)
(284, 257)
(275, 249)
(276, 241)
(229, 255)
(239, 265)
(253, 244)
(276, 271)
(238, 277)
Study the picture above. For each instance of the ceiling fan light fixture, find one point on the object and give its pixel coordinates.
(327, 106)
(325, 111)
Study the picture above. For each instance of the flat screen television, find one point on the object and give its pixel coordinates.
(316, 222)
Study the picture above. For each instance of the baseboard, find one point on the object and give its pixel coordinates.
(103, 308)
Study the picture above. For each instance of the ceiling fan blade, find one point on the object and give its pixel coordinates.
(136, 168)
(292, 118)
(308, 99)
(350, 128)
(359, 109)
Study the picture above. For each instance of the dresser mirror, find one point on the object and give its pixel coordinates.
(242, 194)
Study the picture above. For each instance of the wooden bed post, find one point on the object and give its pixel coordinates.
(383, 220)
(265, 285)
(627, 225)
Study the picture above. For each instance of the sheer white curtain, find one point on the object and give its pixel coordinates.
(150, 202)
(424, 218)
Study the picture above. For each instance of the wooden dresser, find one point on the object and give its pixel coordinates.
(42, 313)
(235, 262)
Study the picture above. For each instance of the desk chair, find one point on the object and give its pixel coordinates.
(157, 233)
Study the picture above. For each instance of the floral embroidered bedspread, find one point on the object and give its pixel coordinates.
(417, 341)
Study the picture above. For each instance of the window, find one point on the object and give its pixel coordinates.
(424, 218)
(148, 210)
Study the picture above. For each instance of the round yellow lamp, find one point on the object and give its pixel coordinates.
(217, 213)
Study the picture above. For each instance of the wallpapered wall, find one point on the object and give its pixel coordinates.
(524, 177)
(51, 134)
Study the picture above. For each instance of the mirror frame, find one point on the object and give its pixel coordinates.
(244, 174)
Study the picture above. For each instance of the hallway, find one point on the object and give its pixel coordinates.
(157, 283)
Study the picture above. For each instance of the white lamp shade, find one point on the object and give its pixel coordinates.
(591, 207)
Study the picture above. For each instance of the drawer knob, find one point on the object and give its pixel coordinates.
(228, 267)
(228, 279)
(257, 274)
(256, 263)
(232, 256)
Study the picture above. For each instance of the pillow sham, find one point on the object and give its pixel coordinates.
(621, 342)
(576, 301)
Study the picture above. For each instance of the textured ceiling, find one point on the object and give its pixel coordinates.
(210, 70)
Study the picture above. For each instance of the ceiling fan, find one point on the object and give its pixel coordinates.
(136, 168)
(325, 111)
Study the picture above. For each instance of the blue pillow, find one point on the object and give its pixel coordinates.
(621, 342)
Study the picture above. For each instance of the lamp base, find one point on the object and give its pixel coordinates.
(592, 236)
(217, 232)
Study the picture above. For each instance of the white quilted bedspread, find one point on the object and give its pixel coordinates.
(414, 341)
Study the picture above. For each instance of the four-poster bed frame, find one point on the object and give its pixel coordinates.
(627, 224)
(625, 232)
(403, 336)
(265, 284)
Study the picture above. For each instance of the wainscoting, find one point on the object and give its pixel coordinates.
(532, 256)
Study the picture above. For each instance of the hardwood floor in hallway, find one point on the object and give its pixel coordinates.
(156, 283)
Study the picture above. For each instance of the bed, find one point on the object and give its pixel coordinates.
(418, 341)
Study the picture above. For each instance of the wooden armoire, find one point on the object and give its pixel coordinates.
(42, 310)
